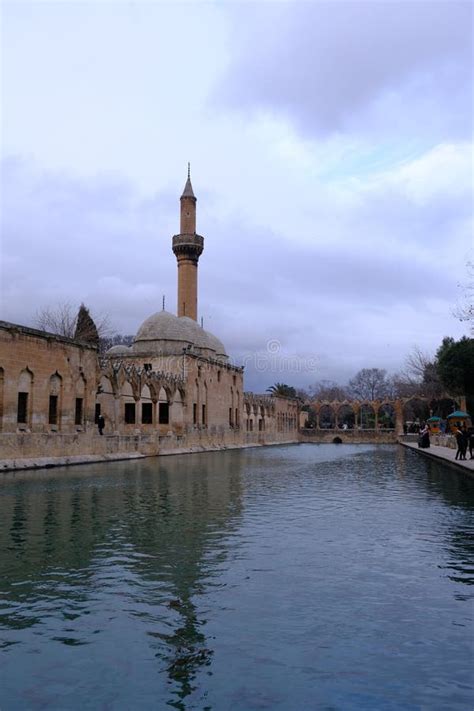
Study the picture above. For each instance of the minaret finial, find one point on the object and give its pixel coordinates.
(189, 171)
(163, 302)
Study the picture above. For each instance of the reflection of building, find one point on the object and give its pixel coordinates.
(151, 534)
(173, 389)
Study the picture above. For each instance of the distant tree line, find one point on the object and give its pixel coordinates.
(441, 379)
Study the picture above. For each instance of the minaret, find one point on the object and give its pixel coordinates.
(188, 247)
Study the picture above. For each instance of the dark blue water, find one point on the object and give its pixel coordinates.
(295, 578)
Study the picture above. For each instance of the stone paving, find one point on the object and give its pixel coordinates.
(445, 454)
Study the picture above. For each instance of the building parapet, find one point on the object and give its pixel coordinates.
(17, 329)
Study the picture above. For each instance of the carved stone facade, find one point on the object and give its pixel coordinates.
(173, 390)
(47, 383)
(52, 389)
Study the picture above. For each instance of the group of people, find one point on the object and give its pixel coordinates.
(464, 439)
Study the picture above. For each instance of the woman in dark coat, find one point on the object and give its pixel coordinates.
(425, 437)
(461, 442)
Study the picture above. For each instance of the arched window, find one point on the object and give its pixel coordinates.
(79, 406)
(367, 417)
(129, 404)
(386, 416)
(25, 395)
(204, 411)
(54, 405)
(415, 411)
(163, 408)
(327, 418)
(346, 417)
(146, 406)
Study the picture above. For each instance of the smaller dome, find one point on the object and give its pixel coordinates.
(119, 350)
(215, 344)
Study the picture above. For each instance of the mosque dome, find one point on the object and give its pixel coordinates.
(167, 334)
(216, 344)
(119, 350)
(164, 326)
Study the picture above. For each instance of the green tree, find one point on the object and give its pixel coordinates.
(455, 366)
(282, 390)
(86, 330)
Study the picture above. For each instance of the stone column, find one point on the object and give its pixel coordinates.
(398, 407)
(117, 414)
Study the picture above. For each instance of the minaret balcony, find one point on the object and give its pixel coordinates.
(191, 245)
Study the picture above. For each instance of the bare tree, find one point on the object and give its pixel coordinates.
(65, 320)
(464, 310)
(328, 390)
(370, 384)
(416, 364)
(60, 319)
(401, 386)
(420, 376)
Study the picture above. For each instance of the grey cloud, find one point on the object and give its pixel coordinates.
(326, 64)
(74, 240)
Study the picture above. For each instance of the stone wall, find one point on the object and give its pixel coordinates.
(40, 365)
(348, 436)
(20, 450)
(203, 399)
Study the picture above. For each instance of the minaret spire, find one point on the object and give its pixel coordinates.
(188, 189)
(188, 247)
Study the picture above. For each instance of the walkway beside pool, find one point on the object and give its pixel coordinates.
(445, 454)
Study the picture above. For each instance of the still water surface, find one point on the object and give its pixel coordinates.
(289, 578)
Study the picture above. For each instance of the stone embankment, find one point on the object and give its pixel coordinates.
(38, 451)
(442, 453)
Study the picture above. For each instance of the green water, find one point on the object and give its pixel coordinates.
(304, 577)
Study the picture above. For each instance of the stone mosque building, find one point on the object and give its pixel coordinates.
(173, 390)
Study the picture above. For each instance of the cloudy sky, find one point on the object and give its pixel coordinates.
(331, 154)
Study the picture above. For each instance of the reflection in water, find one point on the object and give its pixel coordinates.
(150, 538)
(221, 581)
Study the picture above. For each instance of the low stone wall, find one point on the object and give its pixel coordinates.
(348, 436)
(34, 450)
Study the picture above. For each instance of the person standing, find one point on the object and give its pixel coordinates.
(101, 424)
(471, 442)
(460, 443)
(424, 437)
(465, 441)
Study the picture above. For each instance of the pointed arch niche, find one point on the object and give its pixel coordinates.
(25, 399)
